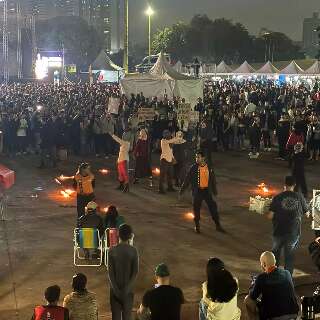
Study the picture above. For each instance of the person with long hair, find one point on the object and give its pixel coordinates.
(112, 219)
(141, 153)
(219, 300)
(81, 303)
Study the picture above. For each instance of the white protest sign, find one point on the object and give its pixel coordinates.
(146, 114)
(113, 105)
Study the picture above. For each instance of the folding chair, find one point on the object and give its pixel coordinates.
(86, 239)
(111, 239)
(310, 307)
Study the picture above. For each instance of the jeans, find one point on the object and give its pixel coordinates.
(202, 310)
(289, 244)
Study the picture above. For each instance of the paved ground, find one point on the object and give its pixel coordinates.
(36, 246)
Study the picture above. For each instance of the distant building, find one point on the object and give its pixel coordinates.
(66, 7)
(310, 35)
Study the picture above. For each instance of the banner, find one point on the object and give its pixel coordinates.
(194, 116)
(113, 105)
(146, 114)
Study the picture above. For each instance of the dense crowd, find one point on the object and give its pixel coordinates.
(37, 117)
(44, 118)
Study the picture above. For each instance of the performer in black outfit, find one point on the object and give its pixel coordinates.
(203, 184)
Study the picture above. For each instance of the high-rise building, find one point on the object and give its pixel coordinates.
(42, 9)
(117, 25)
(310, 35)
(66, 7)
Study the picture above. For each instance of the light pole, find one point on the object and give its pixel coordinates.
(149, 13)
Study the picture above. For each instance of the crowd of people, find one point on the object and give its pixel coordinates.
(44, 119)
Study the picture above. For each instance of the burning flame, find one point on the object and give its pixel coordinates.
(156, 171)
(67, 193)
(57, 181)
(263, 187)
(189, 215)
(104, 171)
(105, 209)
(62, 177)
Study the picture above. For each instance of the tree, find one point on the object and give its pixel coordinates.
(171, 40)
(81, 42)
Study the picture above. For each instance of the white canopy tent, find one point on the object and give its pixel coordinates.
(314, 69)
(245, 68)
(223, 68)
(268, 69)
(162, 80)
(292, 69)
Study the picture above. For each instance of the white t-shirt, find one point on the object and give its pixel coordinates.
(22, 130)
(166, 150)
(124, 149)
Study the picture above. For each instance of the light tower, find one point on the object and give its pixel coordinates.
(5, 42)
(126, 37)
(19, 49)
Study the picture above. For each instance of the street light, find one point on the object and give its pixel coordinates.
(149, 12)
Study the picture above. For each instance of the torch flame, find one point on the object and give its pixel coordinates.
(69, 191)
(64, 194)
(62, 177)
(104, 171)
(189, 215)
(57, 181)
(265, 189)
(156, 171)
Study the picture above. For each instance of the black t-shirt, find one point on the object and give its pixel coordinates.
(164, 302)
(288, 208)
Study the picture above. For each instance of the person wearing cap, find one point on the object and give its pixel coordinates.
(84, 183)
(123, 162)
(298, 169)
(179, 153)
(81, 303)
(203, 184)
(167, 160)
(123, 267)
(163, 301)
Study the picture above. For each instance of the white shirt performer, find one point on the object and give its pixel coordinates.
(123, 163)
(167, 160)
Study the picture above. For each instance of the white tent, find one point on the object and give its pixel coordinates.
(292, 69)
(223, 68)
(178, 66)
(268, 68)
(106, 70)
(163, 79)
(245, 68)
(314, 69)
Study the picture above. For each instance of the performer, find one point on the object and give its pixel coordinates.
(179, 153)
(141, 153)
(203, 184)
(84, 183)
(123, 163)
(298, 157)
(167, 160)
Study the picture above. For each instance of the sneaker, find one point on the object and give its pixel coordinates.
(269, 149)
(197, 229)
(125, 188)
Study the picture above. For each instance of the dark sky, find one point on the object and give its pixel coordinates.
(277, 15)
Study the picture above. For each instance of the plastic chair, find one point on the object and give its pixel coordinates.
(86, 239)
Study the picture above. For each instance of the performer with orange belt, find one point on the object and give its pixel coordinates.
(203, 184)
(84, 183)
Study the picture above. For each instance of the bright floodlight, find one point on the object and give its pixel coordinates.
(149, 11)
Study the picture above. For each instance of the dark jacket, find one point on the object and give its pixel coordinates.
(92, 220)
(193, 178)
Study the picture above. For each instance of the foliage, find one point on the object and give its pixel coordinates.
(221, 39)
(81, 42)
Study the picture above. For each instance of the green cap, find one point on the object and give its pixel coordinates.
(162, 270)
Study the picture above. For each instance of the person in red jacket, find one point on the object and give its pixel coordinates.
(51, 310)
(295, 137)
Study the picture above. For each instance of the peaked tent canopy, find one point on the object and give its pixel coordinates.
(245, 68)
(162, 80)
(268, 68)
(106, 70)
(292, 68)
(314, 69)
(223, 68)
(164, 70)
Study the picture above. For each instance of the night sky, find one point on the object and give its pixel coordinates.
(277, 15)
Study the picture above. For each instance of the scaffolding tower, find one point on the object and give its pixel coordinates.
(5, 42)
